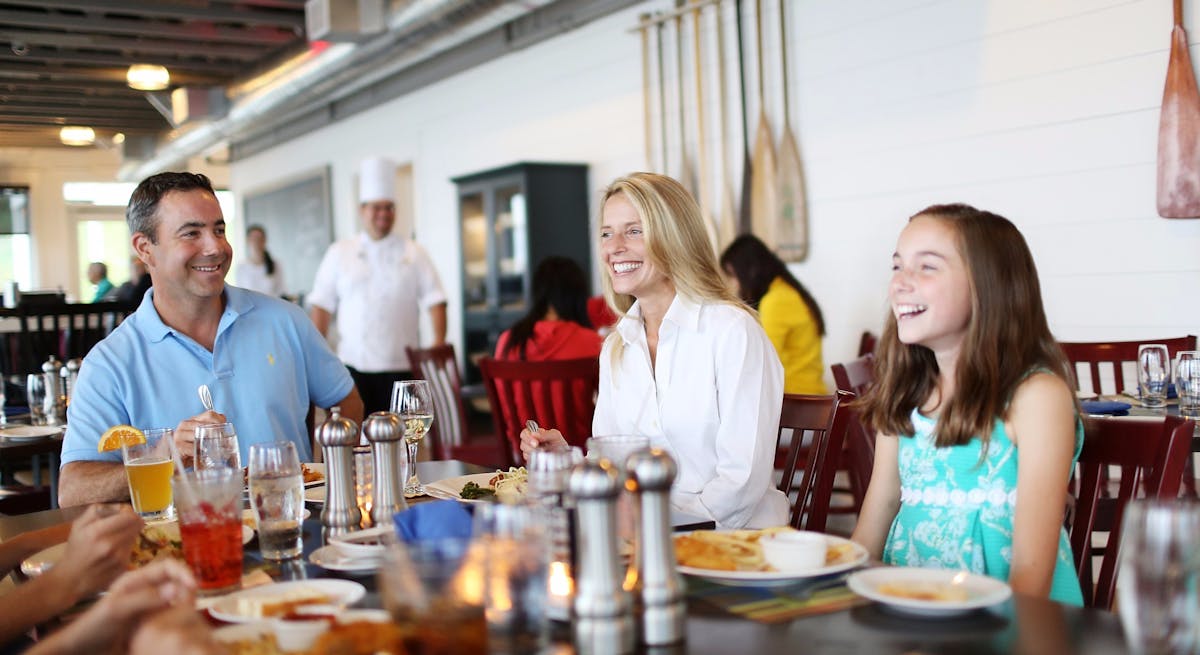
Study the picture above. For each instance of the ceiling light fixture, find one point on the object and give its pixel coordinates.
(76, 135)
(148, 77)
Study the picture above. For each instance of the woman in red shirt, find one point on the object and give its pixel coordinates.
(557, 324)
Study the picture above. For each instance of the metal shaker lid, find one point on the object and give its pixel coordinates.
(337, 430)
(52, 365)
(383, 426)
(594, 480)
(651, 470)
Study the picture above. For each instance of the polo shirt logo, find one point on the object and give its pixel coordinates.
(271, 359)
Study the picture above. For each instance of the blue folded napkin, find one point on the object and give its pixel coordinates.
(439, 519)
(1110, 407)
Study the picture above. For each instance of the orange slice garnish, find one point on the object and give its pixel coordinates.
(120, 435)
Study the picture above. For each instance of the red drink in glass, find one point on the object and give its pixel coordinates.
(213, 549)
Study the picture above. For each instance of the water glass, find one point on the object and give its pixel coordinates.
(149, 467)
(617, 449)
(1154, 374)
(1187, 382)
(1159, 589)
(210, 525)
(515, 576)
(412, 400)
(277, 496)
(434, 589)
(35, 395)
(217, 447)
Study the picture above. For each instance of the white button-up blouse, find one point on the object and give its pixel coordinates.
(712, 401)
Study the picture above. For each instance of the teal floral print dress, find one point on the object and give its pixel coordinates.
(956, 510)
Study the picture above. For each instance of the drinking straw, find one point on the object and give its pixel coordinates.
(183, 481)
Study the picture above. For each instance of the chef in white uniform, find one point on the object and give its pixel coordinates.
(375, 283)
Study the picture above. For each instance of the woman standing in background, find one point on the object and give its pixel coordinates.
(788, 312)
(259, 271)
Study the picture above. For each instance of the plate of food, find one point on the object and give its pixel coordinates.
(281, 598)
(312, 472)
(735, 558)
(159, 540)
(507, 486)
(249, 520)
(29, 432)
(928, 592)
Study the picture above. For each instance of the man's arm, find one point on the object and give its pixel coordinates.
(321, 318)
(437, 316)
(351, 406)
(84, 482)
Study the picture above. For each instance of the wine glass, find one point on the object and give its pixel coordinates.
(1187, 382)
(1159, 590)
(1154, 374)
(413, 402)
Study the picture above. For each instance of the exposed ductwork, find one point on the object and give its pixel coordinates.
(419, 30)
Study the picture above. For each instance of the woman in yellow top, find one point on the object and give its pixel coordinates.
(788, 312)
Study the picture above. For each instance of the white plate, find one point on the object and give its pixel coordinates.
(315, 494)
(353, 544)
(249, 521)
(340, 592)
(29, 432)
(982, 591)
(328, 557)
(778, 578)
(450, 488)
(43, 560)
(235, 632)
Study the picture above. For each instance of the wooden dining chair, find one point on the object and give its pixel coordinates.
(824, 420)
(867, 343)
(557, 394)
(1150, 454)
(858, 457)
(1095, 356)
(65, 330)
(452, 436)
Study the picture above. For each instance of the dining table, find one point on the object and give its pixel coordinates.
(1021, 624)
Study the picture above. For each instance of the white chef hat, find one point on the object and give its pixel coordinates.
(376, 180)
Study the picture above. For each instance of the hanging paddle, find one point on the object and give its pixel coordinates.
(727, 227)
(701, 142)
(687, 177)
(764, 206)
(747, 165)
(662, 98)
(647, 112)
(1179, 132)
(791, 221)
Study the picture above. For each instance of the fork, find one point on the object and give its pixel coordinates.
(206, 397)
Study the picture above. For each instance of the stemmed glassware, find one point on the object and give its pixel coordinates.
(1187, 382)
(1154, 374)
(413, 402)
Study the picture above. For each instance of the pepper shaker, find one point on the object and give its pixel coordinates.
(337, 437)
(651, 473)
(385, 431)
(603, 611)
(72, 374)
(53, 404)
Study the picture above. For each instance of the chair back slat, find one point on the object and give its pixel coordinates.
(1151, 451)
(1094, 357)
(557, 394)
(856, 376)
(824, 419)
(65, 330)
(439, 366)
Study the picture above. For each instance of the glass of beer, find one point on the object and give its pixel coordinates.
(210, 524)
(149, 467)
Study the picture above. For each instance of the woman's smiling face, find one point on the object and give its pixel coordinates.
(623, 250)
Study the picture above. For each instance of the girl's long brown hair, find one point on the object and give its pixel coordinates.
(1007, 338)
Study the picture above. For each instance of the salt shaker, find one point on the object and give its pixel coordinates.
(53, 405)
(603, 611)
(337, 437)
(69, 373)
(651, 473)
(385, 431)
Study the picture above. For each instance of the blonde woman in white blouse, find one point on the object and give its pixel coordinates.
(258, 271)
(687, 364)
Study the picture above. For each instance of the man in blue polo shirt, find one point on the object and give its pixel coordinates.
(261, 357)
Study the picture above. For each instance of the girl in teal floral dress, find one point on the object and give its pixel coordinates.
(978, 425)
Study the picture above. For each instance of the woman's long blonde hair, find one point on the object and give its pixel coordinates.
(1007, 338)
(676, 243)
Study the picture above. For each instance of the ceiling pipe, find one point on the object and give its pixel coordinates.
(418, 31)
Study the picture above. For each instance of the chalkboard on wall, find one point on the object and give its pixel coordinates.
(297, 216)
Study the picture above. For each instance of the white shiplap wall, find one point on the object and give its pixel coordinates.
(1045, 112)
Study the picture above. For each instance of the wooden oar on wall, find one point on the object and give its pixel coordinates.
(662, 98)
(647, 112)
(764, 206)
(791, 221)
(727, 227)
(1179, 132)
(701, 142)
(687, 176)
(747, 165)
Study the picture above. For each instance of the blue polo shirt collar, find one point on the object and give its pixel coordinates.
(237, 302)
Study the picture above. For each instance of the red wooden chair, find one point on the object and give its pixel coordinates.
(1150, 453)
(557, 394)
(825, 418)
(856, 376)
(451, 433)
(867, 343)
(1094, 355)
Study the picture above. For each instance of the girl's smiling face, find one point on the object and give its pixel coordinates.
(930, 292)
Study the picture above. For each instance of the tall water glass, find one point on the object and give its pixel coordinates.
(210, 526)
(515, 573)
(35, 395)
(412, 400)
(1187, 382)
(217, 447)
(277, 496)
(434, 589)
(1159, 589)
(149, 467)
(617, 449)
(1154, 374)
